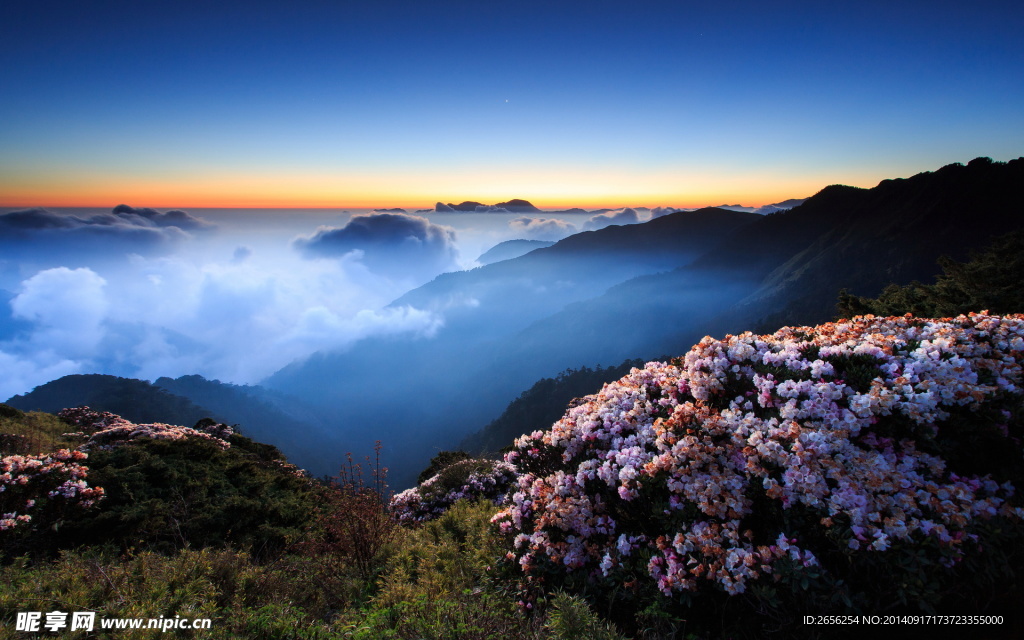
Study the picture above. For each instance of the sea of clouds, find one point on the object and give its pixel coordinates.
(228, 294)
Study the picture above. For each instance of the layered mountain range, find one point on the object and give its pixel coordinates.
(647, 290)
(638, 291)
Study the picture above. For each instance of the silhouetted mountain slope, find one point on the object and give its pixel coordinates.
(135, 400)
(267, 416)
(864, 239)
(542, 404)
(258, 413)
(511, 249)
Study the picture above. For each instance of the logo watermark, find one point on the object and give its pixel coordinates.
(54, 621)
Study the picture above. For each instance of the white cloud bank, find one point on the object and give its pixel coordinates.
(67, 308)
(527, 228)
(238, 317)
(393, 244)
(620, 217)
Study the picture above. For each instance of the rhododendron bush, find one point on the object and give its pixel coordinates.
(104, 429)
(168, 487)
(466, 479)
(756, 458)
(163, 487)
(36, 492)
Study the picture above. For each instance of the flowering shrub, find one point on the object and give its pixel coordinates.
(472, 479)
(104, 429)
(37, 491)
(89, 420)
(758, 456)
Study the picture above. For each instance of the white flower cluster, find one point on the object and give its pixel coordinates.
(106, 430)
(430, 500)
(28, 482)
(690, 447)
(90, 420)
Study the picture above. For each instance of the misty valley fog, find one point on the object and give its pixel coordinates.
(229, 294)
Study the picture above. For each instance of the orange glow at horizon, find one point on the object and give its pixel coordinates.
(587, 189)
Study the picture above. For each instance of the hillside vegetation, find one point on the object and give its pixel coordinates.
(163, 522)
(990, 280)
(542, 404)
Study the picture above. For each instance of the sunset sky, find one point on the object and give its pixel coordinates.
(387, 103)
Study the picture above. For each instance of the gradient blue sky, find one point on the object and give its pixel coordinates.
(388, 103)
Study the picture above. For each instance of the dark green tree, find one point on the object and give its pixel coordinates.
(991, 280)
(442, 460)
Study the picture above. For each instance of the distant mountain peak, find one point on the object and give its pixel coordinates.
(736, 207)
(515, 205)
(467, 205)
(785, 205)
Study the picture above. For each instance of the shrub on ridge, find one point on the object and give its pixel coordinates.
(469, 478)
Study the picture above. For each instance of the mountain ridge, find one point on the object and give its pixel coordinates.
(260, 414)
(515, 205)
(511, 249)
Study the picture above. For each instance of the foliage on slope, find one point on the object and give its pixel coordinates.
(163, 487)
(989, 281)
(32, 432)
(435, 581)
(200, 523)
(463, 479)
(541, 405)
(37, 494)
